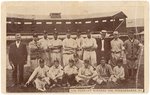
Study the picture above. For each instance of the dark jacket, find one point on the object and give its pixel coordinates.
(18, 55)
(107, 45)
(107, 48)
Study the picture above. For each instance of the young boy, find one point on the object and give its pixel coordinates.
(70, 72)
(55, 74)
(119, 72)
(41, 76)
(104, 71)
(86, 74)
(77, 61)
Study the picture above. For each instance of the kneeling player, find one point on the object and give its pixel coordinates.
(104, 71)
(119, 72)
(41, 76)
(70, 72)
(86, 75)
(55, 74)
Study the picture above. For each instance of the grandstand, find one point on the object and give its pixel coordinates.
(29, 24)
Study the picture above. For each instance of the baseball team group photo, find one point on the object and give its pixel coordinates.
(58, 52)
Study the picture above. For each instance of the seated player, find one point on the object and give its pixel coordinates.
(70, 72)
(40, 75)
(119, 72)
(77, 61)
(104, 71)
(86, 75)
(55, 74)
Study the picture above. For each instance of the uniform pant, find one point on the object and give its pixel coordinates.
(114, 79)
(55, 56)
(102, 79)
(70, 79)
(18, 73)
(46, 57)
(91, 56)
(132, 67)
(58, 80)
(34, 64)
(114, 58)
(80, 54)
(85, 81)
(40, 84)
(66, 58)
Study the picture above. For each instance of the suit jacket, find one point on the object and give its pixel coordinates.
(18, 55)
(107, 45)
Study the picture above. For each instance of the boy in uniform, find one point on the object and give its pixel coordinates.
(86, 75)
(40, 75)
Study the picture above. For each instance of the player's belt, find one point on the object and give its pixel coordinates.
(89, 50)
(55, 51)
(79, 49)
(115, 52)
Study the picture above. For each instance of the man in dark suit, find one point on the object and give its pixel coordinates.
(17, 59)
(103, 49)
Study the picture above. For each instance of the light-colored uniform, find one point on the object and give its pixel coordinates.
(79, 63)
(104, 73)
(118, 73)
(41, 77)
(55, 73)
(116, 51)
(69, 46)
(56, 52)
(45, 44)
(70, 70)
(79, 42)
(84, 74)
(34, 53)
(90, 54)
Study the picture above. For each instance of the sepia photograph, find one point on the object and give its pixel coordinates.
(74, 46)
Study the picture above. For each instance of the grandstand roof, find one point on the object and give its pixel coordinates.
(118, 14)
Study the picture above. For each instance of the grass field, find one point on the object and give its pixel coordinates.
(126, 84)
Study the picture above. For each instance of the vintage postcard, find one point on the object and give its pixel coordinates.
(75, 47)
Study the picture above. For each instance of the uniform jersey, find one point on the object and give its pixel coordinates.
(86, 71)
(55, 44)
(39, 72)
(119, 72)
(104, 71)
(89, 43)
(70, 70)
(69, 45)
(79, 42)
(34, 49)
(45, 43)
(55, 72)
(117, 45)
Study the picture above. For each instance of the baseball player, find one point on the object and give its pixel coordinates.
(86, 75)
(70, 72)
(45, 45)
(118, 72)
(132, 51)
(117, 49)
(89, 47)
(79, 41)
(40, 75)
(77, 61)
(34, 52)
(55, 74)
(104, 71)
(56, 48)
(69, 47)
